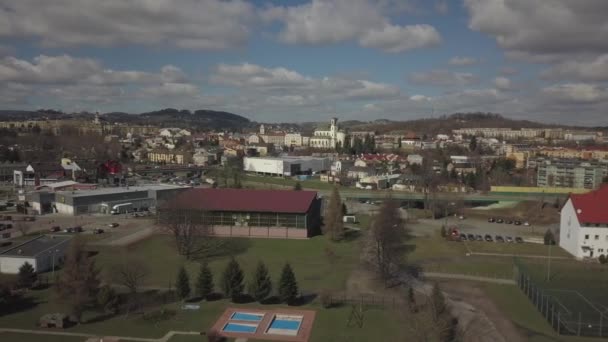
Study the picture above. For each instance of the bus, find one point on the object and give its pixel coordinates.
(122, 208)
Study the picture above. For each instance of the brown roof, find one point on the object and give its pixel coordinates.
(274, 201)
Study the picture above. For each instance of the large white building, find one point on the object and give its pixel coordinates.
(42, 252)
(286, 166)
(328, 139)
(584, 224)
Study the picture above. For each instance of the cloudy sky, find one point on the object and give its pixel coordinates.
(294, 60)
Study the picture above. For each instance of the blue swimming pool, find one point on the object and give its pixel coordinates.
(285, 324)
(239, 328)
(245, 316)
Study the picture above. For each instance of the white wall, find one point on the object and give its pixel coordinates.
(572, 235)
(272, 166)
(11, 265)
(63, 208)
(569, 230)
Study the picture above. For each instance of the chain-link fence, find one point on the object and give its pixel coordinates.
(568, 311)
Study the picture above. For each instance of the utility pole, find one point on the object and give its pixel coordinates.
(549, 261)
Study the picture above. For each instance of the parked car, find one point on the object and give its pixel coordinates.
(526, 223)
(55, 229)
(509, 239)
(488, 238)
(461, 217)
(478, 237)
(491, 220)
(78, 229)
(500, 220)
(471, 237)
(463, 237)
(68, 230)
(499, 238)
(517, 222)
(98, 231)
(509, 221)
(113, 225)
(519, 240)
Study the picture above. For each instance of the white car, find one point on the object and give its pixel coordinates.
(526, 223)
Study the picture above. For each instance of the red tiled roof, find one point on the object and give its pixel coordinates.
(274, 201)
(591, 207)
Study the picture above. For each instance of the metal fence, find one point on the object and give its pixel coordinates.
(568, 311)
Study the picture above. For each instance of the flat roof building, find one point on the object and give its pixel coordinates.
(43, 253)
(249, 213)
(101, 200)
(286, 166)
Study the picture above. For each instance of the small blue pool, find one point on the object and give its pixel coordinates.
(246, 316)
(285, 325)
(240, 328)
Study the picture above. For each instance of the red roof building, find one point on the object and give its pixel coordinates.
(253, 213)
(583, 230)
(592, 207)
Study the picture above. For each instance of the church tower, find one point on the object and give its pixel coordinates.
(262, 129)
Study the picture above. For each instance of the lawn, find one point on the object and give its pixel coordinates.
(516, 249)
(516, 306)
(307, 257)
(16, 337)
(329, 325)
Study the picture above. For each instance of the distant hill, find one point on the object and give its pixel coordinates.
(199, 119)
(446, 123)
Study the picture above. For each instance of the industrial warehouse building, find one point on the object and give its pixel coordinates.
(286, 166)
(101, 200)
(248, 213)
(42, 252)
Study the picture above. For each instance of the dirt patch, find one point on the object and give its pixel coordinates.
(531, 211)
(470, 293)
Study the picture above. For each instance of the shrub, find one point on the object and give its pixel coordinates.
(603, 259)
(326, 299)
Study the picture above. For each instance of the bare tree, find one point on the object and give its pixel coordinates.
(191, 233)
(386, 241)
(130, 272)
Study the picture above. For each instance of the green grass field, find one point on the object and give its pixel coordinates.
(516, 249)
(288, 182)
(516, 306)
(307, 257)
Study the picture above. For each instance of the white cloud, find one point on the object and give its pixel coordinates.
(256, 78)
(462, 61)
(325, 21)
(576, 92)
(419, 98)
(502, 83)
(588, 70)
(543, 30)
(173, 90)
(442, 78)
(190, 24)
(392, 38)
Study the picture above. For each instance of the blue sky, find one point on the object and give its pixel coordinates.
(308, 60)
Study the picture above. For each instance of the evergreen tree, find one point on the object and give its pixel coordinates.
(182, 284)
(297, 186)
(549, 239)
(232, 280)
(288, 286)
(27, 276)
(204, 282)
(473, 144)
(78, 284)
(333, 217)
(261, 285)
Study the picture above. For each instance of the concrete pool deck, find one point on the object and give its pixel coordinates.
(303, 333)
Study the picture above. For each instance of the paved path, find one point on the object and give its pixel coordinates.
(165, 338)
(469, 277)
(521, 255)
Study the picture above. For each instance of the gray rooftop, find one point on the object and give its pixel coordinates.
(36, 246)
(119, 190)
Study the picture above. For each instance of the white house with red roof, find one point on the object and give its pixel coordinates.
(584, 224)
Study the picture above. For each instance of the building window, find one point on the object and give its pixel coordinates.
(597, 237)
(586, 237)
